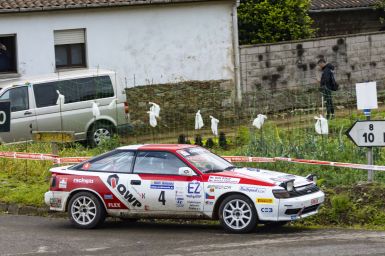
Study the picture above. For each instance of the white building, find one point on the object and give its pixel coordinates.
(146, 42)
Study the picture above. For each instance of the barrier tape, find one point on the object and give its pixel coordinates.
(235, 159)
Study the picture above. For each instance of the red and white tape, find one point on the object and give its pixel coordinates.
(235, 159)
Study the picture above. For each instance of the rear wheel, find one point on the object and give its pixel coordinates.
(99, 132)
(86, 211)
(237, 214)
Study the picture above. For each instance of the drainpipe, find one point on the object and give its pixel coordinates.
(237, 72)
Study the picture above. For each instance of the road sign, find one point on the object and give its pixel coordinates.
(5, 116)
(369, 133)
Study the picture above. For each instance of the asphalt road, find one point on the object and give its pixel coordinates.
(26, 235)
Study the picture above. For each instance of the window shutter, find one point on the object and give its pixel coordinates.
(70, 36)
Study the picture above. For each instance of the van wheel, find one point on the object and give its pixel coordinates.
(237, 214)
(86, 211)
(98, 133)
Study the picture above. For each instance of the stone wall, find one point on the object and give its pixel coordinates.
(282, 76)
(179, 102)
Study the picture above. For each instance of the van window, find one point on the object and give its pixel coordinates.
(74, 90)
(18, 97)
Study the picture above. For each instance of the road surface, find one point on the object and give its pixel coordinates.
(27, 235)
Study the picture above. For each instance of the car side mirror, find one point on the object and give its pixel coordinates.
(186, 171)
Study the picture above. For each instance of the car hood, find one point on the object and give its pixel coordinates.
(264, 176)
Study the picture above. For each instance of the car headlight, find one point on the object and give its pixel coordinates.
(281, 193)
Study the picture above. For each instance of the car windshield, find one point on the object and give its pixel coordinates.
(204, 160)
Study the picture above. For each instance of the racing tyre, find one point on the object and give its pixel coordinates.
(237, 214)
(86, 211)
(98, 132)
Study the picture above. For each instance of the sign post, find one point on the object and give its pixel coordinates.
(5, 116)
(368, 133)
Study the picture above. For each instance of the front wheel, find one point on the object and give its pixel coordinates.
(237, 214)
(86, 211)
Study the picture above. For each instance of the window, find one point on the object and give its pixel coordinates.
(157, 163)
(8, 54)
(119, 162)
(18, 98)
(74, 90)
(70, 48)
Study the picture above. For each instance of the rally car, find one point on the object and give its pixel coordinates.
(179, 181)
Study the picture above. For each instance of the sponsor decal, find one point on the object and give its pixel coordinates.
(220, 179)
(210, 197)
(86, 166)
(194, 189)
(63, 183)
(267, 210)
(212, 190)
(113, 181)
(314, 201)
(55, 202)
(194, 205)
(179, 199)
(83, 181)
(218, 187)
(108, 197)
(264, 200)
(209, 202)
(162, 185)
(253, 189)
(113, 205)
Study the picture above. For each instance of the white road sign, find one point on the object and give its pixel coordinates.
(368, 133)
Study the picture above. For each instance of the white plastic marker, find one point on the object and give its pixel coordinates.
(214, 125)
(259, 121)
(152, 116)
(198, 120)
(95, 109)
(321, 126)
(60, 99)
(155, 108)
(112, 104)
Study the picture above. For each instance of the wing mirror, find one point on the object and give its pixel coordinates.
(186, 171)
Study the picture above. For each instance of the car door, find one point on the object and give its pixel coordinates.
(115, 171)
(23, 119)
(165, 191)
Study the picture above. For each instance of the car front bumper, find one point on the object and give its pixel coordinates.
(300, 207)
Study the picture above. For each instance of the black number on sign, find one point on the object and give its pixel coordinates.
(369, 137)
(371, 127)
(162, 198)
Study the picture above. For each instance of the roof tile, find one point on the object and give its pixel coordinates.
(339, 4)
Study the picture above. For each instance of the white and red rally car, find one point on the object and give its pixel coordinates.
(179, 181)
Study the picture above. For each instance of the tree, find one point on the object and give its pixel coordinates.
(268, 21)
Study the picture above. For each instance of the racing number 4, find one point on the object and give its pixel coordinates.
(162, 198)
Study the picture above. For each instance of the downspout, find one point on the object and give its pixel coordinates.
(237, 72)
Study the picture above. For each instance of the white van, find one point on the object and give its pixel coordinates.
(34, 105)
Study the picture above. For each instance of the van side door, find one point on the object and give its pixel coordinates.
(23, 119)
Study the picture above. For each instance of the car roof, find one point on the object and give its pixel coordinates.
(166, 147)
(54, 77)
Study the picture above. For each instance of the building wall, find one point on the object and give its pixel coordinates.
(153, 44)
(284, 76)
(332, 23)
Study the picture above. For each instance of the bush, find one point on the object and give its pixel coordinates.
(222, 140)
(243, 136)
(210, 143)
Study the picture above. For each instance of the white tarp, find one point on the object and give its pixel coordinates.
(198, 120)
(214, 125)
(259, 121)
